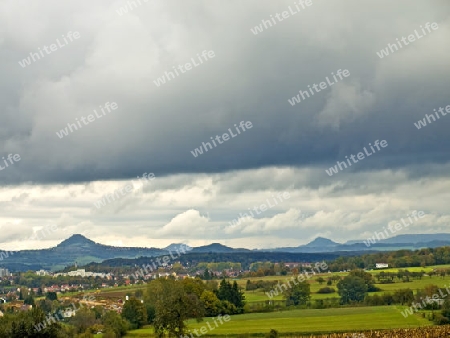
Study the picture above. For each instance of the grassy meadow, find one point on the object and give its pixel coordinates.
(414, 284)
(308, 321)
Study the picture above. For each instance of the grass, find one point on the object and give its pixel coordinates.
(308, 321)
(414, 284)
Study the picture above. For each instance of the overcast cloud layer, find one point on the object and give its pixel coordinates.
(117, 58)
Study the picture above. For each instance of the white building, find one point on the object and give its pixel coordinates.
(381, 265)
(4, 273)
(79, 272)
(42, 273)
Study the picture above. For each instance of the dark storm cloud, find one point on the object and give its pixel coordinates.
(250, 78)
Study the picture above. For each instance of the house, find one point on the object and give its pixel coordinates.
(69, 313)
(25, 307)
(298, 264)
(292, 265)
(381, 265)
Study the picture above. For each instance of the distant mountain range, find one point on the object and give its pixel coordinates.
(399, 242)
(81, 250)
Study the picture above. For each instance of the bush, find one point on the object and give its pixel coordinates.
(272, 334)
(326, 290)
(440, 320)
(51, 295)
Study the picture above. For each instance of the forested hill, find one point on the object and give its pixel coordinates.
(245, 258)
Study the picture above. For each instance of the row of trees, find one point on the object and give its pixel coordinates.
(401, 275)
(84, 324)
(397, 259)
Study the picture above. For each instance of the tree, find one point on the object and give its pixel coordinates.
(45, 305)
(177, 267)
(232, 294)
(135, 312)
(83, 319)
(28, 324)
(299, 294)
(446, 309)
(367, 277)
(193, 286)
(138, 294)
(224, 291)
(211, 303)
(352, 289)
(320, 280)
(29, 300)
(238, 298)
(151, 313)
(403, 296)
(173, 306)
(51, 295)
(206, 275)
(115, 323)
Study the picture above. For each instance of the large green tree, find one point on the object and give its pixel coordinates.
(367, 277)
(231, 293)
(115, 323)
(211, 303)
(135, 312)
(298, 294)
(173, 306)
(83, 319)
(352, 289)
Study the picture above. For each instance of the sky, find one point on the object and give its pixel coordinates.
(61, 62)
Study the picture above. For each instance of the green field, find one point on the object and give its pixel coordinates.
(260, 296)
(414, 284)
(309, 321)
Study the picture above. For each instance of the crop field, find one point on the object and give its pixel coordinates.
(309, 321)
(428, 332)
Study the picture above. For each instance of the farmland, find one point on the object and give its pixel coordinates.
(260, 296)
(298, 322)
(310, 321)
